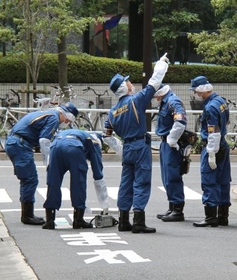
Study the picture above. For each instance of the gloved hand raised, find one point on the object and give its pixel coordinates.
(212, 160)
(164, 58)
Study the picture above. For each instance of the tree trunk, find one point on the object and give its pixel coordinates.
(62, 62)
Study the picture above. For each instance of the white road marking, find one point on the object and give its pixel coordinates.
(4, 197)
(188, 193)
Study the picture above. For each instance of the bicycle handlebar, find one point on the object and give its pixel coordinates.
(96, 93)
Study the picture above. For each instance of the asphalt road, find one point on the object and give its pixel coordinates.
(176, 251)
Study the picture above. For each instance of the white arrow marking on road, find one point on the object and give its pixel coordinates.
(188, 193)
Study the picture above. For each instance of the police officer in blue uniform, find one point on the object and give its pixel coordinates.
(215, 158)
(34, 129)
(70, 151)
(171, 123)
(128, 120)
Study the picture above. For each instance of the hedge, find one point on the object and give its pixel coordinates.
(84, 68)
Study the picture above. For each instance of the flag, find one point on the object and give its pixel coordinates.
(100, 39)
(112, 22)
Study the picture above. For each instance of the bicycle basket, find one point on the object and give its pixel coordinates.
(196, 105)
(9, 99)
(80, 102)
(103, 102)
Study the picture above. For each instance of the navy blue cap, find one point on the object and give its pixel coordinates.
(198, 81)
(116, 82)
(70, 108)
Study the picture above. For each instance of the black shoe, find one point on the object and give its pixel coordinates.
(139, 225)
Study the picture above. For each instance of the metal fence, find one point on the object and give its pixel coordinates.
(182, 90)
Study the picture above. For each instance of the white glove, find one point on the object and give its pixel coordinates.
(212, 160)
(213, 142)
(159, 72)
(164, 58)
(44, 149)
(172, 142)
(115, 144)
(101, 192)
(174, 135)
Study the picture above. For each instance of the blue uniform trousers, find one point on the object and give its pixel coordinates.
(216, 183)
(66, 155)
(135, 185)
(170, 162)
(21, 155)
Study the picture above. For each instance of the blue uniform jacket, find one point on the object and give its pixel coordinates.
(215, 114)
(37, 125)
(127, 117)
(171, 109)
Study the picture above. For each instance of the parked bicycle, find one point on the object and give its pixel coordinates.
(97, 120)
(10, 114)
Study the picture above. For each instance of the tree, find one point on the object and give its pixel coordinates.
(37, 21)
(170, 18)
(219, 46)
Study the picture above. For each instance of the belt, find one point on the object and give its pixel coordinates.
(19, 136)
(69, 137)
(128, 140)
(163, 138)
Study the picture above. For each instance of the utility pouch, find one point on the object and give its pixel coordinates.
(188, 137)
(148, 138)
(185, 165)
(220, 155)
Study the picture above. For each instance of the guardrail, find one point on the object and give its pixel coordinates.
(193, 112)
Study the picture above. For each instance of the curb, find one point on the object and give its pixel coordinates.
(13, 264)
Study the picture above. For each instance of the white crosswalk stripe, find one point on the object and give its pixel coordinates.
(65, 193)
(112, 192)
(188, 193)
(4, 197)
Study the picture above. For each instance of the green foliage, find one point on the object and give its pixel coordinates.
(197, 148)
(219, 47)
(84, 68)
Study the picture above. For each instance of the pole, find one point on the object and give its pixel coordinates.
(147, 50)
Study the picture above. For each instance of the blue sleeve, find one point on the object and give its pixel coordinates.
(94, 155)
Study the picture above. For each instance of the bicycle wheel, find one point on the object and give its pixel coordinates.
(232, 128)
(83, 123)
(155, 140)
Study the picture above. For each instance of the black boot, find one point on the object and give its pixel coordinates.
(78, 221)
(223, 214)
(50, 217)
(139, 223)
(27, 214)
(159, 216)
(210, 220)
(124, 224)
(176, 215)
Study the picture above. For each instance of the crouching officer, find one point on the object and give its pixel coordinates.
(171, 123)
(70, 151)
(215, 156)
(34, 129)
